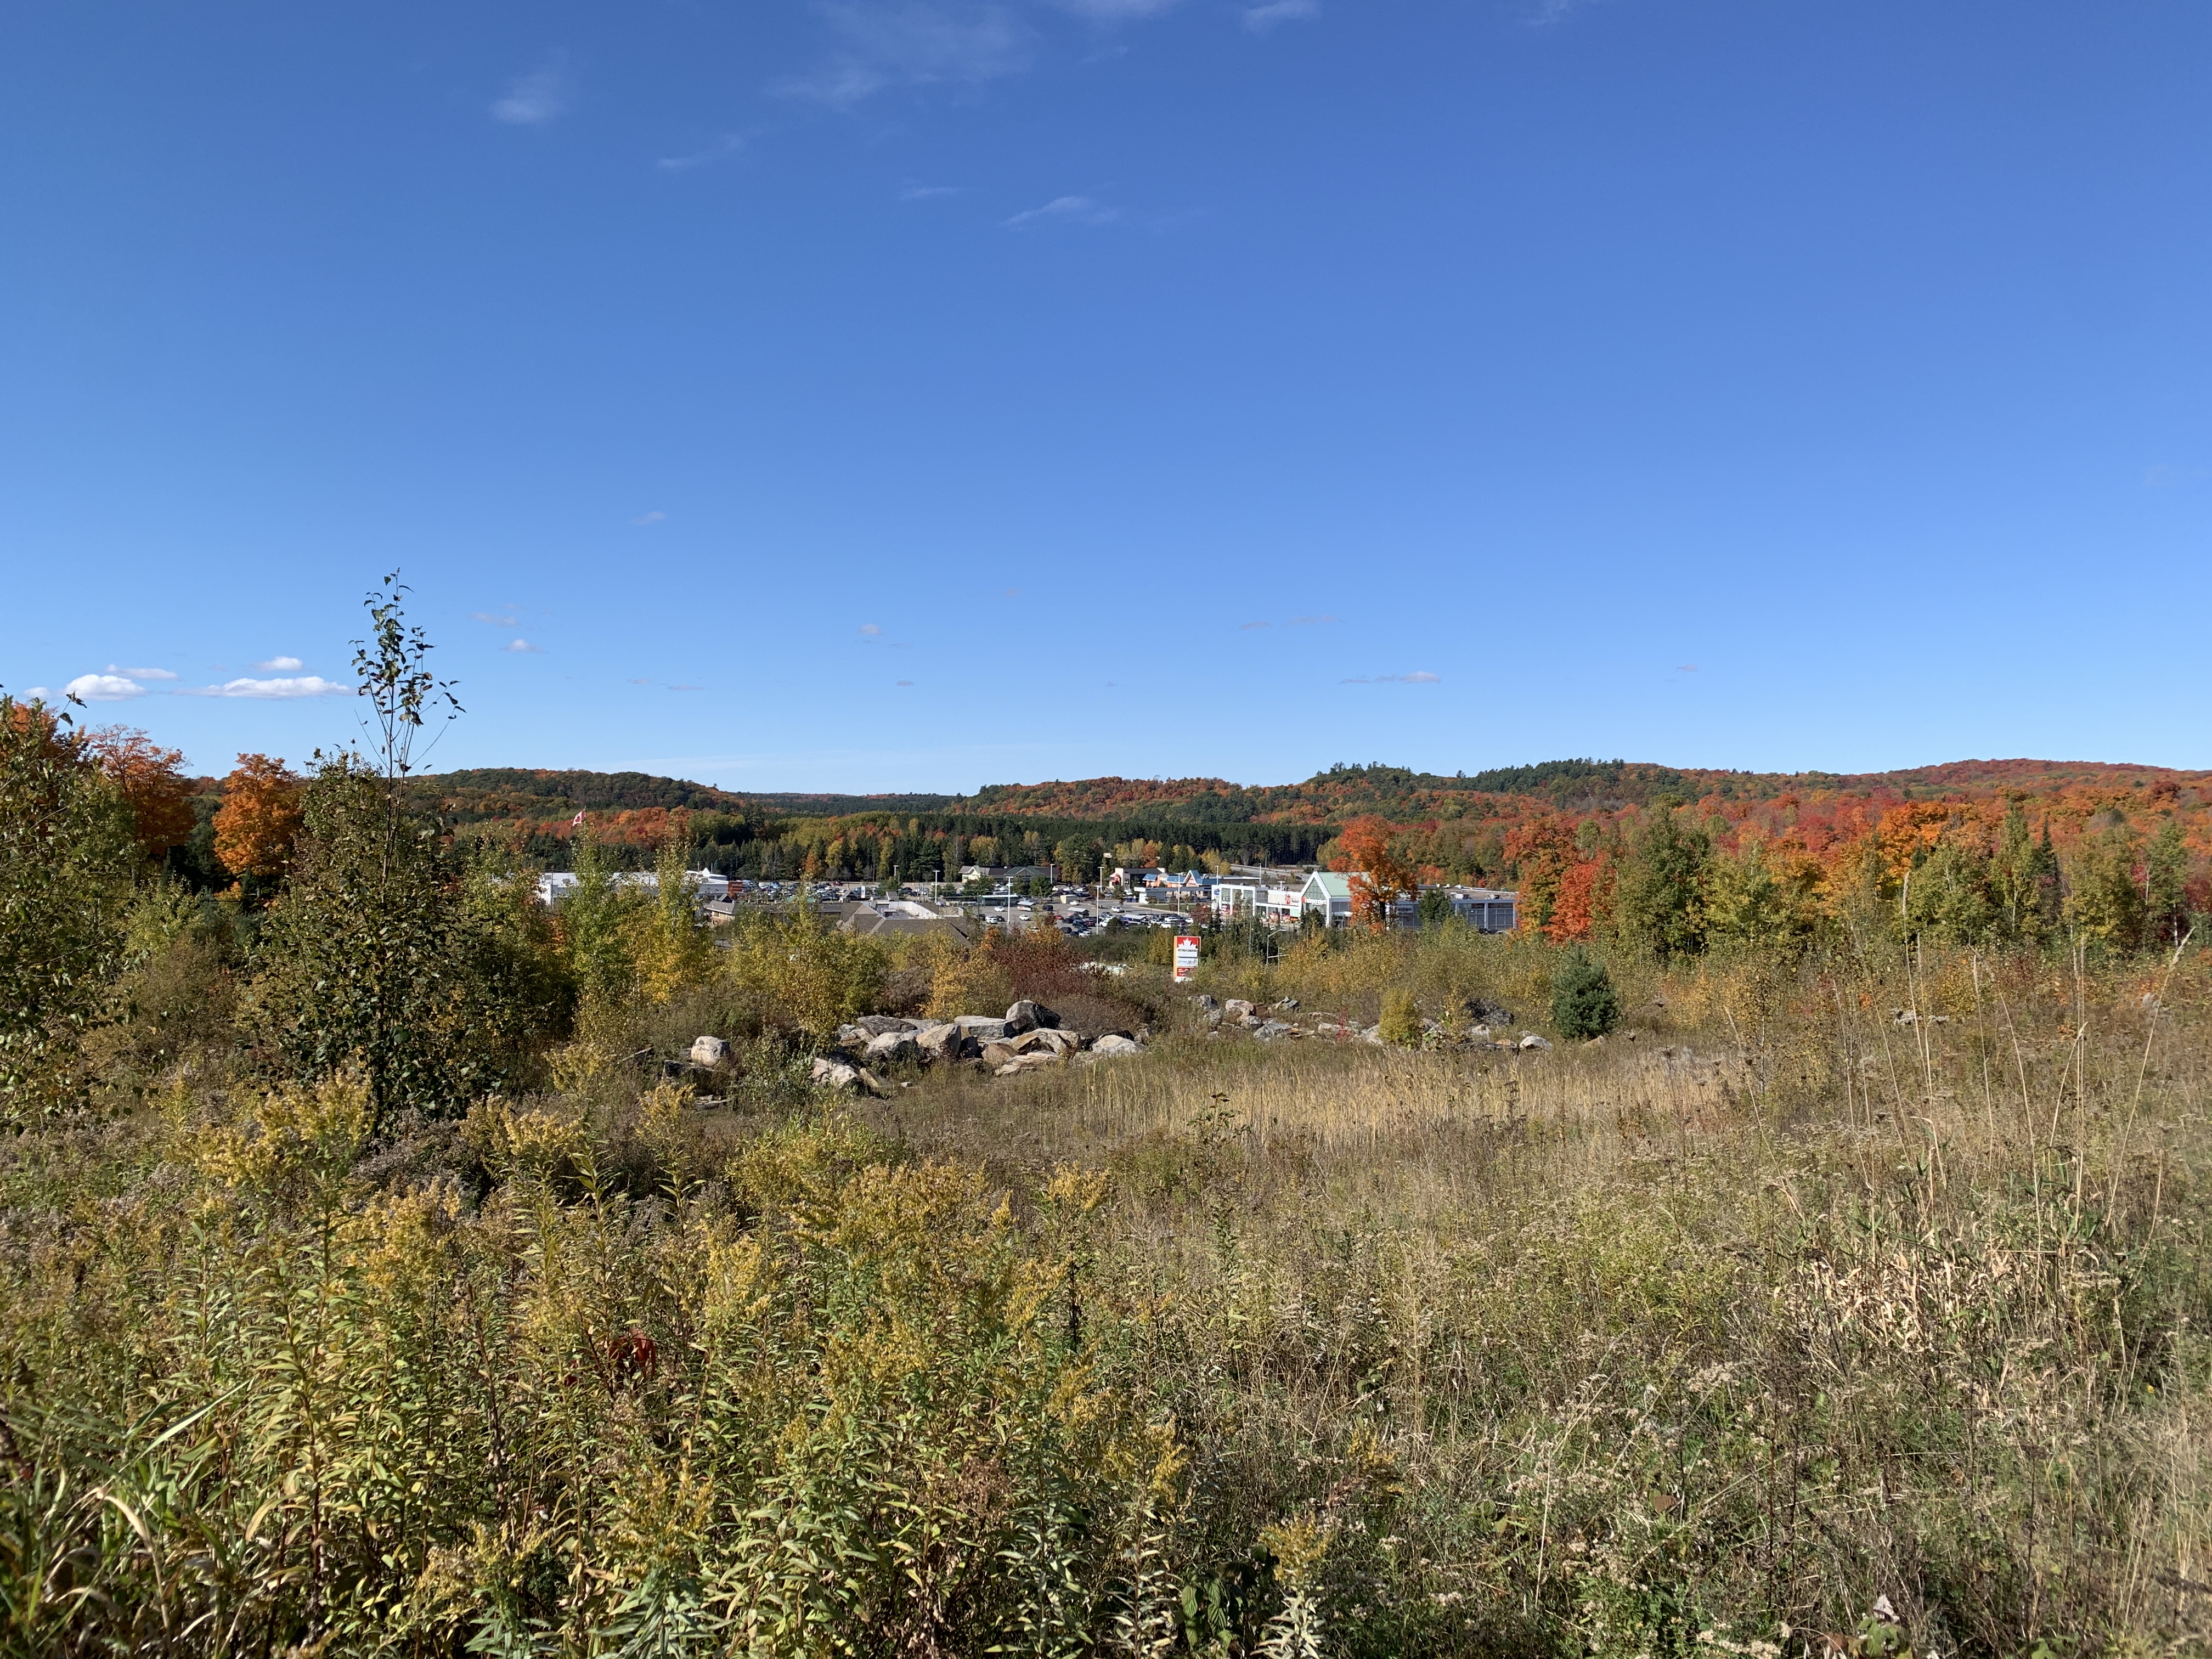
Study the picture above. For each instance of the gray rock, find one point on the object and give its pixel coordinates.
(834, 1074)
(1236, 1008)
(709, 1051)
(944, 1042)
(1213, 1019)
(1028, 1062)
(1115, 1043)
(1045, 1039)
(893, 1048)
(982, 1028)
(1288, 1004)
(1532, 1040)
(877, 1024)
(854, 1037)
(1208, 1001)
(1268, 1030)
(1027, 1016)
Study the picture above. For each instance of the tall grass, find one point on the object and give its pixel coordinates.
(1785, 1324)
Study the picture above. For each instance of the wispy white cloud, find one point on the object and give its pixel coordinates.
(1248, 627)
(496, 618)
(1310, 621)
(687, 687)
(1116, 11)
(721, 149)
(906, 681)
(929, 192)
(870, 629)
(308, 685)
(1068, 210)
(522, 645)
(655, 517)
(103, 687)
(913, 43)
(1685, 668)
(37, 694)
(1419, 676)
(281, 665)
(534, 99)
(1261, 18)
(142, 673)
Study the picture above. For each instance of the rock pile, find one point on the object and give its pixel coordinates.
(1025, 1037)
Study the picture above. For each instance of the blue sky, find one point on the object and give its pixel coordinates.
(880, 394)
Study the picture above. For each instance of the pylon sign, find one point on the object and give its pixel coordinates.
(1186, 957)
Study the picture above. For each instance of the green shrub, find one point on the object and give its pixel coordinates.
(1583, 1000)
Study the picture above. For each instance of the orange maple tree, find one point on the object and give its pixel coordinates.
(153, 781)
(259, 818)
(1379, 876)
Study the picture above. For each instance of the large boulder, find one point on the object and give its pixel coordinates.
(878, 1025)
(709, 1051)
(1113, 1042)
(1028, 1062)
(893, 1048)
(1532, 1040)
(1027, 1016)
(982, 1028)
(830, 1073)
(854, 1037)
(1045, 1039)
(1268, 1030)
(1237, 1009)
(946, 1042)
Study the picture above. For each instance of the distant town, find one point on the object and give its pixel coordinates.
(1283, 897)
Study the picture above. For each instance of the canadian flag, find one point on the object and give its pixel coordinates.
(576, 823)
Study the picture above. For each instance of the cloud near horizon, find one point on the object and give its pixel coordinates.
(103, 687)
(307, 685)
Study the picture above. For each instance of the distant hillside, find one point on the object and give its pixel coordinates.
(503, 792)
(1583, 785)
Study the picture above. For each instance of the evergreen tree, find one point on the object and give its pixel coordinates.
(1583, 1003)
(2166, 890)
(2024, 880)
(1659, 903)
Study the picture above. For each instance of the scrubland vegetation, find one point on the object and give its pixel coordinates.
(371, 1284)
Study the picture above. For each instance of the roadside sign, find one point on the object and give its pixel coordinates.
(1186, 958)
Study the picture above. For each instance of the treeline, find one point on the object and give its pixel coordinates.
(1672, 883)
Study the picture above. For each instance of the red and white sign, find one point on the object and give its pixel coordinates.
(1186, 960)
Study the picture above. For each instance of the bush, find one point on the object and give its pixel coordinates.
(1401, 1019)
(1583, 1000)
